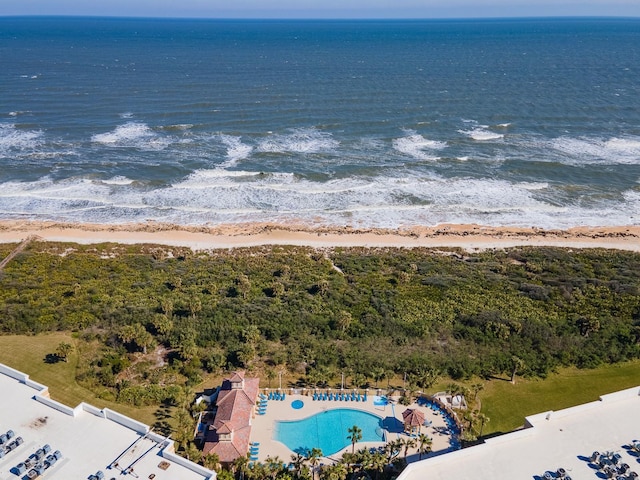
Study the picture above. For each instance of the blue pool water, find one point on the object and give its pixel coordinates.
(328, 430)
(297, 404)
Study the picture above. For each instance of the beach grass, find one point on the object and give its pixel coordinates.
(28, 353)
(507, 404)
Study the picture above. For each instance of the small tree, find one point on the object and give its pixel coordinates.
(211, 461)
(476, 388)
(482, 418)
(517, 365)
(63, 350)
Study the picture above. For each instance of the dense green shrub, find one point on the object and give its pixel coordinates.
(347, 309)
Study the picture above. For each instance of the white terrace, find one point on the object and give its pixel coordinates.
(89, 439)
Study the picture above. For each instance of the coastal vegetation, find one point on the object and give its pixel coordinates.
(369, 312)
(143, 325)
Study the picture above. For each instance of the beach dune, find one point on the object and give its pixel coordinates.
(468, 237)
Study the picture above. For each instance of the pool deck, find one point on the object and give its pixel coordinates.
(263, 426)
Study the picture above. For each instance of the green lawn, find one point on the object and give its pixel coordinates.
(27, 354)
(507, 405)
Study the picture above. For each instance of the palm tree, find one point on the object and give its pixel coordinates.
(482, 418)
(518, 364)
(378, 463)
(274, 465)
(355, 435)
(313, 457)
(63, 350)
(378, 374)
(193, 453)
(337, 471)
(240, 465)
(211, 461)
(363, 458)
(408, 443)
(476, 388)
(270, 374)
(392, 449)
(349, 459)
(358, 380)
(298, 461)
(453, 389)
(424, 445)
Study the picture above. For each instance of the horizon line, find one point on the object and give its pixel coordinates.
(328, 19)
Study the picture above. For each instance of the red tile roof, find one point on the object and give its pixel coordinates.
(235, 407)
(413, 417)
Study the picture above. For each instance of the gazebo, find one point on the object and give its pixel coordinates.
(413, 421)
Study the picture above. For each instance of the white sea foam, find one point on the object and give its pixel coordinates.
(388, 199)
(300, 140)
(415, 145)
(236, 150)
(12, 139)
(586, 150)
(118, 180)
(132, 134)
(126, 115)
(482, 134)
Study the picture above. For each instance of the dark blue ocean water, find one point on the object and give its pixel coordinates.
(531, 122)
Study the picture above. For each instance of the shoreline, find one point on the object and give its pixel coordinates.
(206, 237)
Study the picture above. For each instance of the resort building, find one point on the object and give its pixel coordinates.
(229, 434)
(40, 437)
(596, 440)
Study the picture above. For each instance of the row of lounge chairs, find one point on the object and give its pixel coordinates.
(275, 396)
(340, 397)
(262, 405)
(254, 449)
(438, 409)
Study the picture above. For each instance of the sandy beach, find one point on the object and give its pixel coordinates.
(468, 237)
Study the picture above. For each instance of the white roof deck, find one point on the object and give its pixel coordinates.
(88, 438)
(565, 438)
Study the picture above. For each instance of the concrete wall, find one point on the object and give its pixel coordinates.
(93, 410)
(125, 421)
(169, 455)
(56, 405)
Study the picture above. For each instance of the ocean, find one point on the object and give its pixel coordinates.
(514, 122)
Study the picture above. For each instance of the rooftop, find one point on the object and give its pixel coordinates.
(89, 439)
(550, 440)
(228, 436)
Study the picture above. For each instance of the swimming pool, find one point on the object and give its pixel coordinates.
(328, 430)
